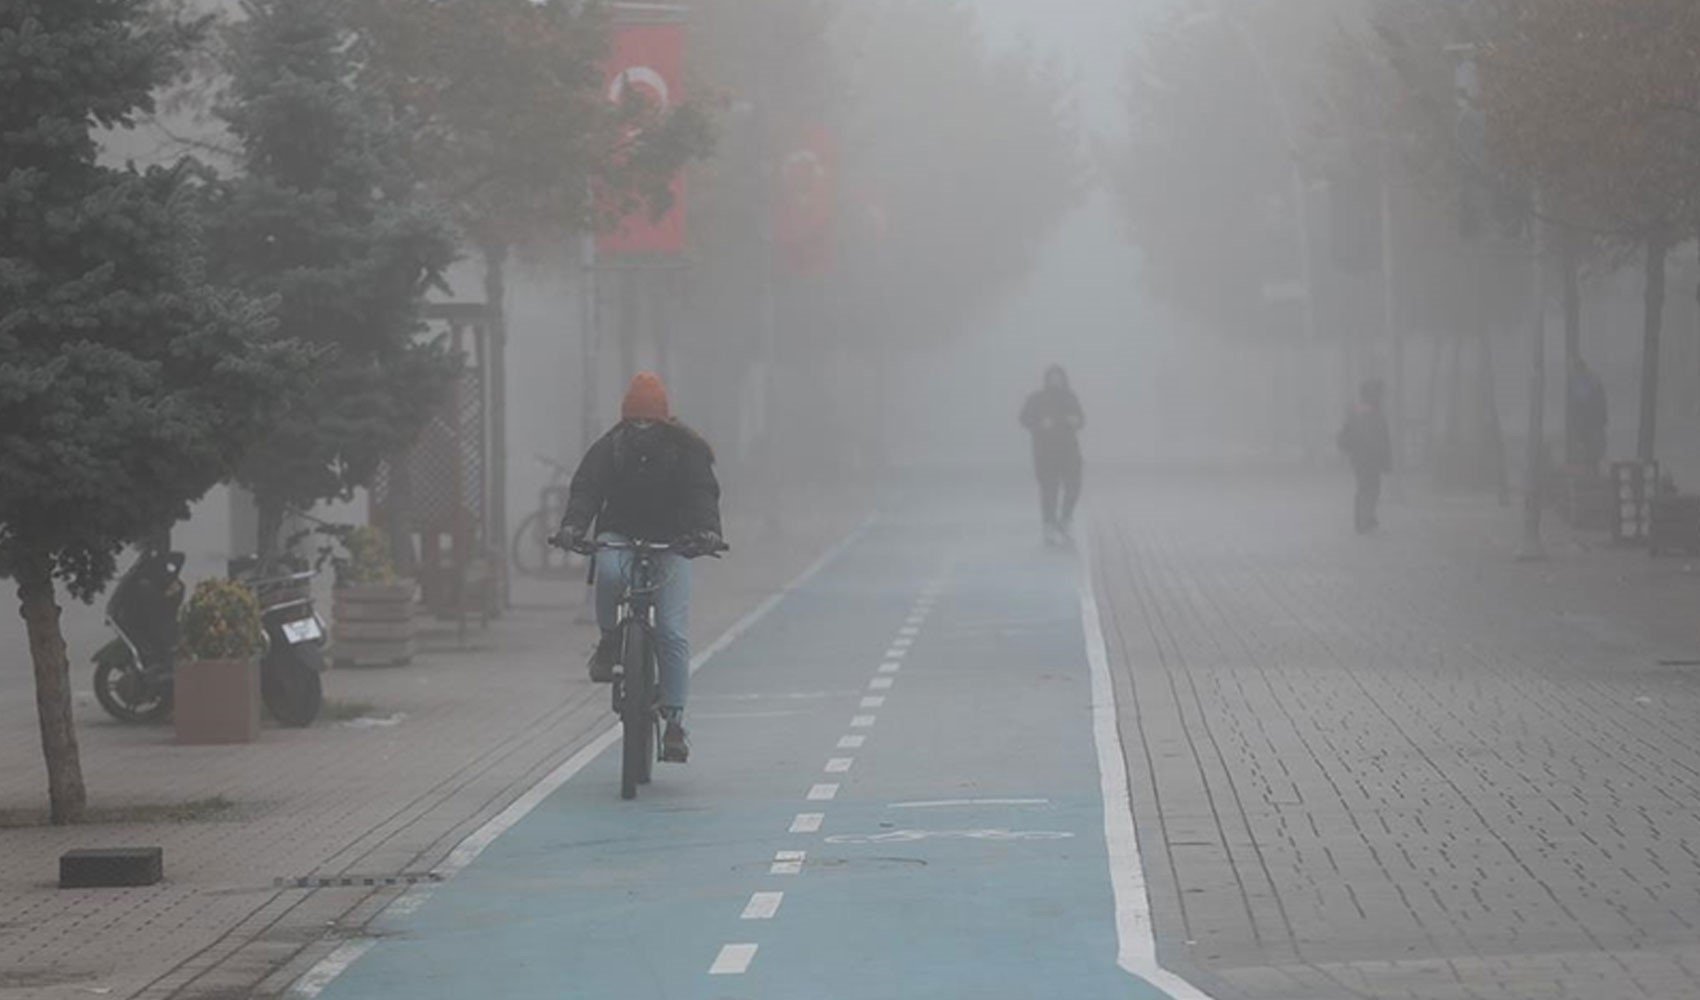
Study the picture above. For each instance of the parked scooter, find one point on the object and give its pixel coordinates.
(133, 673)
(290, 684)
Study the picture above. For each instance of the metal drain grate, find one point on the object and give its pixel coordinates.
(348, 881)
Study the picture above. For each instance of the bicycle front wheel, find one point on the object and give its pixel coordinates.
(638, 713)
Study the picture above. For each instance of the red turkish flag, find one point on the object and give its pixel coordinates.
(804, 226)
(648, 59)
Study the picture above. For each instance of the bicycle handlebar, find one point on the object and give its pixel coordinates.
(590, 546)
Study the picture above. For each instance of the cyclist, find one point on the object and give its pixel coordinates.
(650, 478)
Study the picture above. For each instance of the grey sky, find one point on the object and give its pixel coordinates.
(1092, 36)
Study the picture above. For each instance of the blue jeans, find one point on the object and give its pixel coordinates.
(672, 614)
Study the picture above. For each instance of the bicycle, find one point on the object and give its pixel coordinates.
(532, 554)
(637, 692)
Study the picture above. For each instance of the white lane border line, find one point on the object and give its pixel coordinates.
(852, 742)
(873, 701)
(733, 960)
(881, 683)
(890, 668)
(808, 822)
(823, 792)
(314, 981)
(862, 722)
(1135, 936)
(839, 765)
(788, 863)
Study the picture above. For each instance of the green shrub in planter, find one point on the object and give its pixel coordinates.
(221, 621)
(374, 609)
(216, 695)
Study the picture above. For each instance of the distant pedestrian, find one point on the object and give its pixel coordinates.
(1585, 400)
(1054, 417)
(1369, 446)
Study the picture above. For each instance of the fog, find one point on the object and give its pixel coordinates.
(1168, 373)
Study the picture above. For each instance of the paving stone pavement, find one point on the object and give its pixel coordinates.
(1404, 766)
(473, 728)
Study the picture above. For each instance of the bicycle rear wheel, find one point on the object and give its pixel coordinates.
(638, 713)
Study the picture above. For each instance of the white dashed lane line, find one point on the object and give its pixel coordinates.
(733, 960)
(762, 906)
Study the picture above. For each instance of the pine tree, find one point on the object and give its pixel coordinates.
(129, 385)
(325, 216)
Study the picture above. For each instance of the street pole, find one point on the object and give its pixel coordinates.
(1391, 324)
(590, 347)
(1534, 486)
(1300, 190)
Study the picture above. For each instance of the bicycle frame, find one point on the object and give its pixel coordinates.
(639, 708)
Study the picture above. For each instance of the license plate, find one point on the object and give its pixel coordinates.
(302, 630)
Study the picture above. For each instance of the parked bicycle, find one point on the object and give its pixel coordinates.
(637, 683)
(531, 552)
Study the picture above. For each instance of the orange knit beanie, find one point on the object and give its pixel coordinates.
(646, 399)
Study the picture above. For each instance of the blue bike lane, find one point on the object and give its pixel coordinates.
(895, 792)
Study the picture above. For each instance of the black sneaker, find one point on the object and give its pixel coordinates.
(675, 744)
(605, 659)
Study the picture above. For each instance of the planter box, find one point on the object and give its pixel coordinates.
(1675, 525)
(216, 701)
(373, 624)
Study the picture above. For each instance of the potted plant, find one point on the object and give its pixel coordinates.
(373, 608)
(216, 696)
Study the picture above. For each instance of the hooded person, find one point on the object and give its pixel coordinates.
(650, 478)
(1054, 418)
(1368, 446)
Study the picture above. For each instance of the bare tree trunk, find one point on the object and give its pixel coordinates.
(630, 302)
(1431, 412)
(1658, 249)
(1535, 459)
(66, 794)
(1568, 274)
(1493, 433)
(271, 514)
(1455, 402)
(495, 305)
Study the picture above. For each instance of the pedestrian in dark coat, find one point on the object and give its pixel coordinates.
(1585, 398)
(1054, 417)
(1368, 445)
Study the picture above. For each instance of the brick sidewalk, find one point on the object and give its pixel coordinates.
(1404, 766)
(471, 729)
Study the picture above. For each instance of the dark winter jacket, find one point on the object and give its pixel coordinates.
(1366, 440)
(1054, 416)
(653, 481)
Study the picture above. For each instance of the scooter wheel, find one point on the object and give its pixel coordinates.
(120, 690)
(290, 686)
